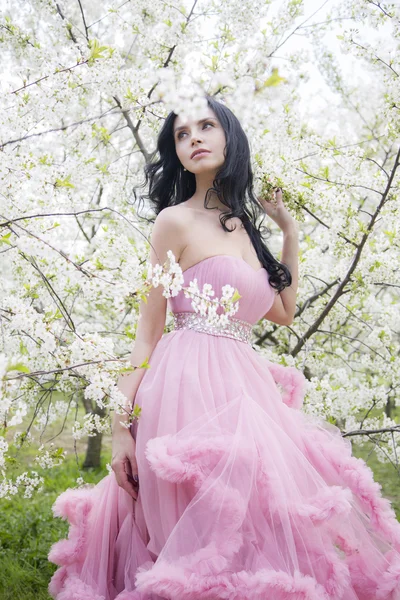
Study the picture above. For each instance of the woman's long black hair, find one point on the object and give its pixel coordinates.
(169, 185)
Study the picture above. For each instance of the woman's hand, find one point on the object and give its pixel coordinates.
(123, 461)
(277, 211)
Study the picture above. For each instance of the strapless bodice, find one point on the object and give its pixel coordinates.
(257, 295)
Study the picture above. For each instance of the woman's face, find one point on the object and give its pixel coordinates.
(206, 133)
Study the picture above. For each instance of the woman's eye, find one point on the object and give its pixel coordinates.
(180, 134)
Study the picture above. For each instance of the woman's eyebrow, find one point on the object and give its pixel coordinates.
(198, 123)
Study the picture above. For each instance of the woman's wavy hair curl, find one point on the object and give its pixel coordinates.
(169, 184)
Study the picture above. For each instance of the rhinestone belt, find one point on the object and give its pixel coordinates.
(235, 328)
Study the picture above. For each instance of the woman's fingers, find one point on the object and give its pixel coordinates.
(272, 200)
(276, 195)
(132, 473)
(124, 478)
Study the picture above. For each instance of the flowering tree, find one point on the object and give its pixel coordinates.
(85, 89)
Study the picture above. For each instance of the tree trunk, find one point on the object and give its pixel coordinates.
(93, 448)
(390, 406)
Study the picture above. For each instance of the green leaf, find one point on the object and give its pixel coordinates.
(214, 63)
(99, 265)
(101, 132)
(64, 182)
(130, 96)
(145, 364)
(136, 411)
(391, 235)
(95, 51)
(274, 79)
(22, 348)
(374, 266)
(5, 239)
(58, 452)
(103, 169)
(325, 172)
(18, 367)
(236, 296)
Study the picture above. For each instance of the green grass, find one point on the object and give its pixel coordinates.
(28, 528)
(385, 474)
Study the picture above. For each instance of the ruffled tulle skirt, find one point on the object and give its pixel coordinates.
(242, 497)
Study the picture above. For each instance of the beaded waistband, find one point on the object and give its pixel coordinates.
(235, 328)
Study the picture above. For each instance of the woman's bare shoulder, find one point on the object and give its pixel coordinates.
(170, 231)
(173, 220)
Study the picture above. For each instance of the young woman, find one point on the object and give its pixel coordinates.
(223, 489)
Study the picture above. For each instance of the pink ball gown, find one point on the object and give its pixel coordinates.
(242, 495)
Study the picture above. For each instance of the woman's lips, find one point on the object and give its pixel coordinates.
(203, 153)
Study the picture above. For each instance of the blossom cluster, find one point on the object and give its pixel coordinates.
(171, 278)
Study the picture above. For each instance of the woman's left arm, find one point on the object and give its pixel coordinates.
(290, 257)
(284, 307)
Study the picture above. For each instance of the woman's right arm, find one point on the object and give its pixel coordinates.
(167, 234)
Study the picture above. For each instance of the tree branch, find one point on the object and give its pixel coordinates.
(371, 431)
(341, 287)
(63, 128)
